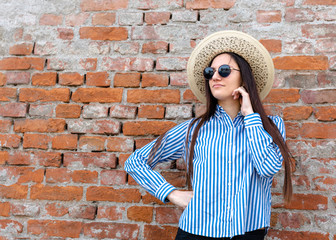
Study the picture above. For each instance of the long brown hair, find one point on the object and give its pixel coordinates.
(268, 124)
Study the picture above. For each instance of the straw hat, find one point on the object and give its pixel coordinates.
(230, 41)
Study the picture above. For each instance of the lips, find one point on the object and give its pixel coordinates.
(217, 85)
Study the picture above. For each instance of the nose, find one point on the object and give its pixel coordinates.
(216, 76)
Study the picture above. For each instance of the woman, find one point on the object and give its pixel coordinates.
(232, 151)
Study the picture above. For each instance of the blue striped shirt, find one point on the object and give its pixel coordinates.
(234, 164)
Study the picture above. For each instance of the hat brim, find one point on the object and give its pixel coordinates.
(237, 42)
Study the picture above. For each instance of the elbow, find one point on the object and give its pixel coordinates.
(269, 171)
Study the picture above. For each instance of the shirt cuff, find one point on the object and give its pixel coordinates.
(252, 119)
(163, 191)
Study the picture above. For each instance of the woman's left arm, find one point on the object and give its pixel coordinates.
(265, 153)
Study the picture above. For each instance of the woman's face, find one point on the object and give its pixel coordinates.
(222, 87)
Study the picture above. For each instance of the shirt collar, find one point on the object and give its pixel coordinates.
(220, 112)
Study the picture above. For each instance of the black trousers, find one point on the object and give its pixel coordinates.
(254, 235)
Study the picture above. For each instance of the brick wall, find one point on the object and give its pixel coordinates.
(85, 82)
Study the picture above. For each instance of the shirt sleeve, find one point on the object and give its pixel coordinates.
(171, 148)
(265, 153)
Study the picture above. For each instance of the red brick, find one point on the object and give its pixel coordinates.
(177, 179)
(140, 128)
(58, 64)
(94, 126)
(65, 141)
(45, 110)
(282, 96)
(25, 174)
(111, 230)
(159, 232)
(122, 158)
(13, 109)
(151, 111)
(324, 183)
(68, 193)
(98, 79)
(123, 111)
(101, 95)
(171, 63)
(47, 48)
(43, 95)
(306, 202)
(157, 47)
(265, 16)
(154, 80)
(56, 209)
(325, 45)
(4, 156)
(6, 94)
(301, 63)
(40, 141)
(205, 4)
(39, 125)
(112, 213)
(153, 96)
(10, 140)
(3, 79)
(120, 144)
(25, 210)
(293, 220)
(51, 20)
(289, 235)
(113, 177)
(48, 159)
(314, 31)
(292, 129)
(91, 143)
(85, 176)
(140, 213)
(165, 215)
(299, 15)
(127, 80)
(319, 2)
(319, 96)
(88, 64)
(20, 158)
(25, 63)
(58, 175)
(4, 209)
(57, 228)
(127, 64)
(297, 112)
(157, 17)
(76, 19)
(318, 130)
(188, 96)
(68, 111)
(273, 109)
(71, 79)
(114, 195)
(44, 79)
(178, 79)
(18, 78)
(102, 160)
(14, 191)
(65, 33)
(21, 49)
(103, 5)
(11, 226)
(325, 113)
(83, 211)
(5, 125)
(104, 33)
(127, 48)
(106, 19)
(272, 45)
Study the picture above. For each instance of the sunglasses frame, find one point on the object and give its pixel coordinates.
(220, 72)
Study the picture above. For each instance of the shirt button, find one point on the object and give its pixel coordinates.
(229, 184)
(229, 161)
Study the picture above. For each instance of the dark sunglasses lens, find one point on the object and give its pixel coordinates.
(224, 70)
(208, 73)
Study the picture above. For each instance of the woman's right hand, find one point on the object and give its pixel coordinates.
(180, 198)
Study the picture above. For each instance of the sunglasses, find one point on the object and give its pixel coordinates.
(224, 71)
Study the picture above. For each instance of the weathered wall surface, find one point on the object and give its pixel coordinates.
(85, 82)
